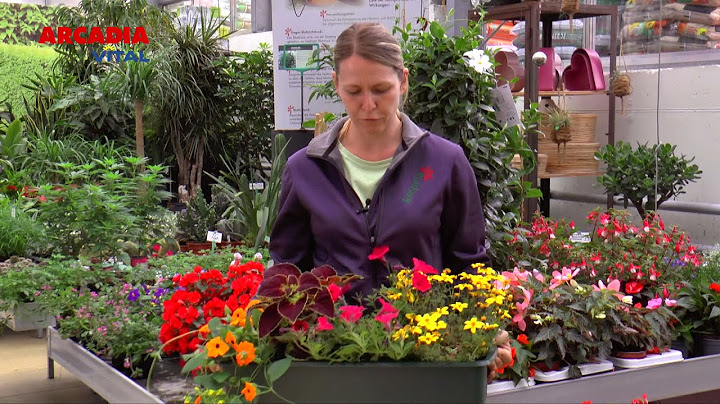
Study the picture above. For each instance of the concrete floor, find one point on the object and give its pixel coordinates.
(23, 373)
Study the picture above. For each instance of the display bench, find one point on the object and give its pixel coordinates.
(659, 382)
(108, 382)
(533, 12)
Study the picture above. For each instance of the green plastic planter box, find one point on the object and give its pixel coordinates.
(383, 382)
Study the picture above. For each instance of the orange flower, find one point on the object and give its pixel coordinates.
(204, 329)
(230, 339)
(523, 339)
(249, 391)
(198, 400)
(246, 353)
(252, 303)
(216, 347)
(238, 317)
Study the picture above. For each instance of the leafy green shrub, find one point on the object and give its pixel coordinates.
(18, 65)
(248, 93)
(632, 173)
(23, 23)
(20, 234)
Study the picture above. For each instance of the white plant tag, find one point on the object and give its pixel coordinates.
(13, 212)
(255, 186)
(580, 237)
(505, 111)
(215, 236)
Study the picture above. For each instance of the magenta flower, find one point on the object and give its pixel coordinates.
(351, 314)
(324, 324)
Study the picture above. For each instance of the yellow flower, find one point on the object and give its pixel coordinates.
(464, 286)
(417, 330)
(473, 324)
(394, 296)
(495, 300)
(401, 333)
(429, 338)
(442, 311)
(459, 306)
(441, 325)
(410, 297)
(446, 271)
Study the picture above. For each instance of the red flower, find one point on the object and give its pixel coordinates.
(387, 313)
(714, 286)
(156, 247)
(633, 287)
(420, 282)
(351, 314)
(378, 253)
(523, 339)
(11, 187)
(587, 402)
(300, 326)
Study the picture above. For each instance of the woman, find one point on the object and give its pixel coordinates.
(377, 180)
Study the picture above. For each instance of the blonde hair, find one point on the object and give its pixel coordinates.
(370, 41)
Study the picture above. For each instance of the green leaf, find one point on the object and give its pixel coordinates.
(197, 360)
(543, 335)
(277, 369)
(574, 372)
(207, 381)
(220, 377)
(714, 313)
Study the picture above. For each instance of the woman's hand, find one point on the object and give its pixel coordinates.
(503, 357)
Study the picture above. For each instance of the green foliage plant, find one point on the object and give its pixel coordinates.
(23, 23)
(20, 234)
(97, 206)
(199, 217)
(249, 87)
(255, 211)
(18, 65)
(646, 176)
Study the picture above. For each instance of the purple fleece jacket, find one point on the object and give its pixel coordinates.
(426, 206)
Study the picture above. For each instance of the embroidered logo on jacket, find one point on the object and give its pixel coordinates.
(425, 174)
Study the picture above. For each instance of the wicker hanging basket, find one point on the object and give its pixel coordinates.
(570, 7)
(620, 85)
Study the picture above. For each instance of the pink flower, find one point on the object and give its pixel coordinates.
(670, 302)
(420, 282)
(378, 253)
(351, 314)
(324, 324)
(654, 303)
(421, 266)
(156, 247)
(613, 285)
(561, 277)
(386, 318)
(335, 292)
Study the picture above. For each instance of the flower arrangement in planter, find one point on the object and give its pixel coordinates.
(649, 260)
(423, 323)
(566, 323)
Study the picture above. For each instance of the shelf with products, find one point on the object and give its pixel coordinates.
(533, 13)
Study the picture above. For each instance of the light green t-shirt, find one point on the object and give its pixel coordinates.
(363, 175)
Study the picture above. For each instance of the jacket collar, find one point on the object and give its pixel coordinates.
(324, 146)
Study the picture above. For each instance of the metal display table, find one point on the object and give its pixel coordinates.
(659, 382)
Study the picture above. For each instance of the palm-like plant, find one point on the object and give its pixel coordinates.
(187, 109)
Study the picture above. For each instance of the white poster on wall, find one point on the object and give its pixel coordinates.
(317, 23)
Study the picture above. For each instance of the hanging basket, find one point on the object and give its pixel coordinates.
(583, 127)
(620, 85)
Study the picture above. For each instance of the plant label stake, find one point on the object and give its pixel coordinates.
(300, 57)
(505, 111)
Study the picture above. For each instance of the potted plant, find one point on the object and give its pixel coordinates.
(646, 176)
(559, 121)
(648, 259)
(425, 327)
(21, 281)
(700, 300)
(195, 221)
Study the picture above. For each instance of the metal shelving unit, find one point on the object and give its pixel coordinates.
(533, 12)
(659, 382)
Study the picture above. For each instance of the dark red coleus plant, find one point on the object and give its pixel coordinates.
(291, 294)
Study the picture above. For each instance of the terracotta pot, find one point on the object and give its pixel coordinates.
(630, 354)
